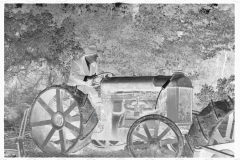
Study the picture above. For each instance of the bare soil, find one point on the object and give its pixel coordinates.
(32, 150)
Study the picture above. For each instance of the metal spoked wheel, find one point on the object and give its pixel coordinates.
(151, 135)
(55, 120)
(223, 132)
(204, 122)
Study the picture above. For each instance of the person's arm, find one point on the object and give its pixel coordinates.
(76, 71)
(77, 74)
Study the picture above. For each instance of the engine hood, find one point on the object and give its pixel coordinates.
(143, 83)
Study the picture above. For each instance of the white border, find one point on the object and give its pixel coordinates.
(237, 19)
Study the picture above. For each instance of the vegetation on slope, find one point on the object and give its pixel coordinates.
(135, 39)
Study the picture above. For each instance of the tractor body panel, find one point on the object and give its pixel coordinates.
(126, 99)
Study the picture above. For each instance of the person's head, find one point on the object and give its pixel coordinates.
(91, 54)
(77, 54)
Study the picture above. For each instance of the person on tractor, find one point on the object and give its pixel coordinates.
(83, 71)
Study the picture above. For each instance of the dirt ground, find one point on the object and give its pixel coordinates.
(32, 150)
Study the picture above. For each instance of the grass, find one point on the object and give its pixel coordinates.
(32, 150)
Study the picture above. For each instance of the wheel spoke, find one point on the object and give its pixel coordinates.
(73, 129)
(70, 109)
(75, 118)
(229, 126)
(168, 141)
(146, 130)
(98, 142)
(171, 148)
(45, 106)
(62, 140)
(59, 102)
(163, 133)
(107, 144)
(140, 136)
(49, 136)
(156, 129)
(41, 123)
(218, 137)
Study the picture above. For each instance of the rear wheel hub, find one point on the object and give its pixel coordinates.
(154, 144)
(57, 120)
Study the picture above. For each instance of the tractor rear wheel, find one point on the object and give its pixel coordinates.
(203, 124)
(55, 118)
(223, 132)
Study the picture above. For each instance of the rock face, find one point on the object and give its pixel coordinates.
(203, 124)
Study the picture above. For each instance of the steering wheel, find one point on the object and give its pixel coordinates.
(106, 74)
(98, 78)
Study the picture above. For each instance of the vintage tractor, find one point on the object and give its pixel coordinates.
(149, 115)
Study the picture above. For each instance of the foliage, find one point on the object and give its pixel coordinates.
(205, 28)
(225, 87)
(40, 41)
(165, 35)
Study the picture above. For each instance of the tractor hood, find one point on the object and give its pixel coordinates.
(144, 83)
(126, 99)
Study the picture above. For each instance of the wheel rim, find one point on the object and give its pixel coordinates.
(55, 120)
(151, 136)
(223, 132)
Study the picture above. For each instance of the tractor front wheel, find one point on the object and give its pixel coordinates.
(151, 136)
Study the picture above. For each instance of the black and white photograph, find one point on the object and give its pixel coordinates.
(119, 79)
